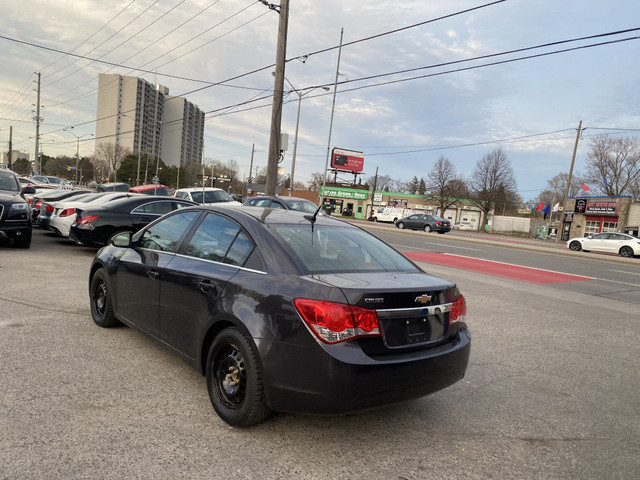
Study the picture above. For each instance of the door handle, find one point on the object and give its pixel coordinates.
(206, 286)
(153, 275)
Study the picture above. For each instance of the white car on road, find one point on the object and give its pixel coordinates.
(609, 242)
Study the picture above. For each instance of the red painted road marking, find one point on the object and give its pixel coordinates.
(498, 269)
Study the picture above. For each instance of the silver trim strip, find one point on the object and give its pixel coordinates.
(417, 311)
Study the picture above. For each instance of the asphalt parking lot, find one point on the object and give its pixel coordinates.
(551, 392)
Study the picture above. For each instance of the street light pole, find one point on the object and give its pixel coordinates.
(78, 137)
(295, 139)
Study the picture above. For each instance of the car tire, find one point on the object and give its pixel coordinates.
(575, 246)
(375, 219)
(427, 228)
(234, 379)
(442, 233)
(400, 225)
(23, 242)
(101, 303)
(626, 252)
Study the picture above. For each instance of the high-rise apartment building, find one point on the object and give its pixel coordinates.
(141, 117)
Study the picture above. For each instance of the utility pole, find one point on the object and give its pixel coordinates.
(10, 145)
(37, 165)
(573, 160)
(373, 192)
(278, 88)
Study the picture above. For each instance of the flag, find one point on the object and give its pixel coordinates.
(540, 207)
(604, 180)
(585, 188)
(556, 207)
(546, 210)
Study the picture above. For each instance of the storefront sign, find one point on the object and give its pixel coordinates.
(343, 194)
(581, 205)
(600, 207)
(377, 197)
(398, 202)
(568, 216)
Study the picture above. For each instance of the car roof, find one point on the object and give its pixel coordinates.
(270, 216)
(199, 189)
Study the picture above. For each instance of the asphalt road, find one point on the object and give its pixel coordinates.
(551, 392)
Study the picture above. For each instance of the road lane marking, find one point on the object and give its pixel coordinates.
(628, 273)
(397, 245)
(499, 269)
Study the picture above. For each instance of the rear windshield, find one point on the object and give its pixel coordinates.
(211, 196)
(338, 249)
(301, 205)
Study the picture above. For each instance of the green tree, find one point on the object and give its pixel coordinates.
(21, 166)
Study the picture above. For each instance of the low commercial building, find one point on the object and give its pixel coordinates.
(360, 204)
(584, 216)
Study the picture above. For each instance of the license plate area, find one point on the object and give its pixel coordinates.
(415, 327)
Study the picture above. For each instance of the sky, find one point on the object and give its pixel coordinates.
(219, 54)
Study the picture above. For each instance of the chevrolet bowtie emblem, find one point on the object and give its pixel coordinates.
(424, 299)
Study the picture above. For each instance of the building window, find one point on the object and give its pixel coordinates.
(591, 227)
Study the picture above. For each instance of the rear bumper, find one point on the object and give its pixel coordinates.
(298, 383)
(15, 231)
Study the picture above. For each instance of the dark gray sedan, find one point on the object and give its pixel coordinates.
(422, 221)
(284, 311)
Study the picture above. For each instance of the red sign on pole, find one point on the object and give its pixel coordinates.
(347, 160)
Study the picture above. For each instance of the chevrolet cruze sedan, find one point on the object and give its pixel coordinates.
(284, 311)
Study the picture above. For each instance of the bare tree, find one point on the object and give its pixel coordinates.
(444, 185)
(315, 184)
(492, 181)
(109, 157)
(613, 165)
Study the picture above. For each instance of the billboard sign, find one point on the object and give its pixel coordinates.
(347, 160)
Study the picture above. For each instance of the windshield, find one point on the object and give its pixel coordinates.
(302, 206)
(338, 249)
(8, 181)
(211, 196)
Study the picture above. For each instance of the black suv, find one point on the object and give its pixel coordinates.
(15, 218)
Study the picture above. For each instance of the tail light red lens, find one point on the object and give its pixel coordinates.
(66, 212)
(30, 200)
(38, 204)
(48, 208)
(86, 220)
(458, 310)
(337, 322)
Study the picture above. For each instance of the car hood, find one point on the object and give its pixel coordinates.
(7, 196)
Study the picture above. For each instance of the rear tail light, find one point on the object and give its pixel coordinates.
(30, 200)
(86, 219)
(38, 204)
(66, 212)
(336, 322)
(48, 208)
(458, 310)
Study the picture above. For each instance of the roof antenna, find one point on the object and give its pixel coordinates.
(312, 218)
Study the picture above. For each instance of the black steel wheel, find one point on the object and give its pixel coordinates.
(100, 299)
(575, 246)
(234, 379)
(427, 228)
(626, 252)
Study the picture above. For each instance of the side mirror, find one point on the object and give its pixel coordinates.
(122, 240)
(28, 190)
